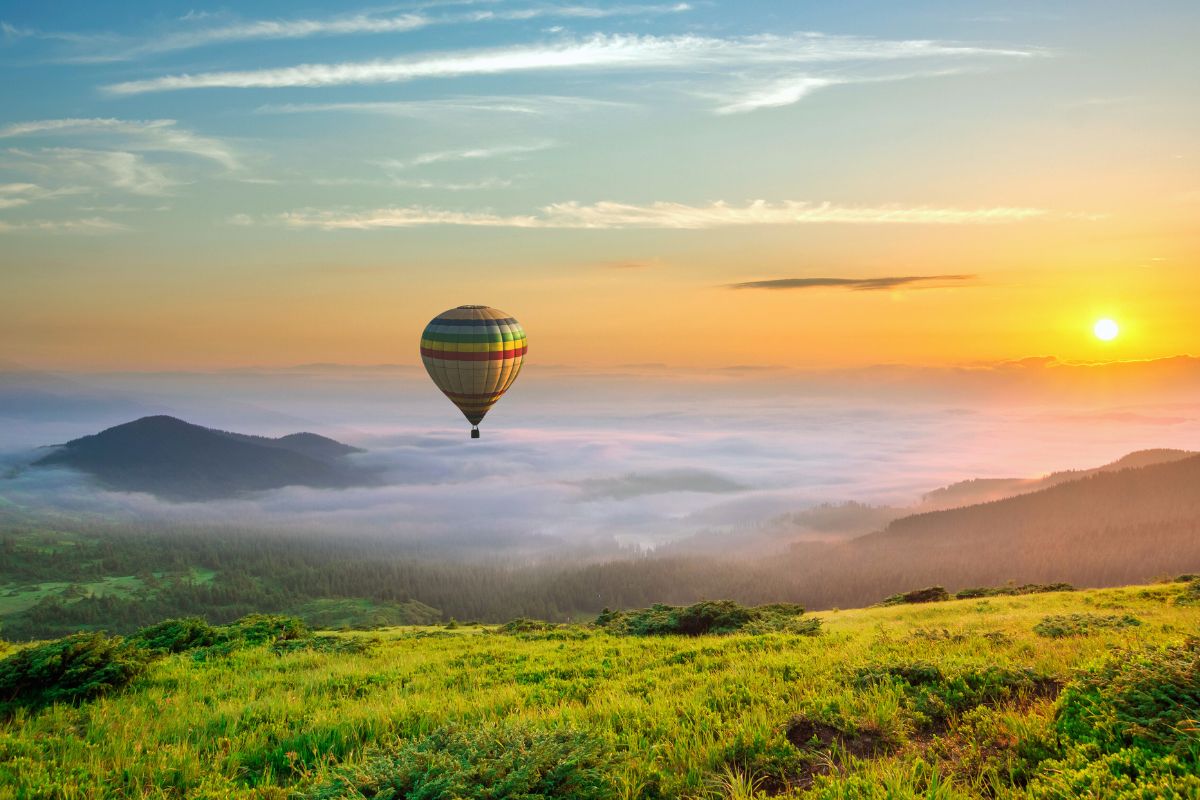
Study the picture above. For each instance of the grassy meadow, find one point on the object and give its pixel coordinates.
(979, 698)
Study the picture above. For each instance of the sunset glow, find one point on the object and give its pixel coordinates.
(205, 190)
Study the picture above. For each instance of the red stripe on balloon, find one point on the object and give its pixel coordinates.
(494, 355)
(484, 396)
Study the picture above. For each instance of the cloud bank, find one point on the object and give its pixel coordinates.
(647, 456)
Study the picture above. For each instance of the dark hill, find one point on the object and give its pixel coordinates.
(1108, 528)
(983, 490)
(180, 461)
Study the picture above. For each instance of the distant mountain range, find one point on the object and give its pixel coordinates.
(834, 522)
(1101, 527)
(984, 490)
(177, 460)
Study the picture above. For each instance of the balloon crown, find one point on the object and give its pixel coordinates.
(472, 306)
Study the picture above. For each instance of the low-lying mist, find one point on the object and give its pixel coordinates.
(596, 463)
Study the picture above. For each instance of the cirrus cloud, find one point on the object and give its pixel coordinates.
(856, 284)
(601, 51)
(154, 134)
(661, 215)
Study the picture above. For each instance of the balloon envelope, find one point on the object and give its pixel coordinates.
(473, 354)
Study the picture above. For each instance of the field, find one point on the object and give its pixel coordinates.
(962, 698)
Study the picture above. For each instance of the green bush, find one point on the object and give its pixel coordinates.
(1190, 596)
(1062, 625)
(936, 696)
(524, 625)
(266, 628)
(68, 670)
(708, 617)
(194, 635)
(1148, 700)
(177, 635)
(932, 594)
(345, 645)
(1005, 591)
(484, 762)
(1121, 775)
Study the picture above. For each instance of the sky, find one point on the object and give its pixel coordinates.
(696, 184)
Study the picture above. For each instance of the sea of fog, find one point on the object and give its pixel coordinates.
(641, 455)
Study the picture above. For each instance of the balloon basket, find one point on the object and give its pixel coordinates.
(474, 433)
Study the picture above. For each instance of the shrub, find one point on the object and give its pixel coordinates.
(524, 625)
(69, 670)
(932, 594)
(1062, 625)
(492, 761)
(936, 696)
(1000, 591)
(266, 628)
(1190, 596)
(1148, 700)
(177, 635)
(346, 645)
(194, 635)
(1123, 775)
(708, 617)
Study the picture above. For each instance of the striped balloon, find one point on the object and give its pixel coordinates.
(473, 354)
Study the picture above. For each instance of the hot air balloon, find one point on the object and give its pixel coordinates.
(473, 354)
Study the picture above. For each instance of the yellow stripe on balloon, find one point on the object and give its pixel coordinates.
(472, 347)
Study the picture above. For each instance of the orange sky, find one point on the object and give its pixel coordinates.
(1047, 161)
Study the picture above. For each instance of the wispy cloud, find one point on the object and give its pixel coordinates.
(775, 92)
(13, 195)
(358, 24)
(10, 33)
(92, 225)
(255, 30)
(115, 169)
(453, 186)
(856, 284)
(578, 12)
(155, 134)
(533, 105)
(610, 215)
(469, 154)
(596, 52)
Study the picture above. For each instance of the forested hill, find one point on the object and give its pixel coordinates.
(181, 461)
(1107, 528)
(983, 490)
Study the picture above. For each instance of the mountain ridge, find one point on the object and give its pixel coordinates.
(1107, 528)
(180, 461)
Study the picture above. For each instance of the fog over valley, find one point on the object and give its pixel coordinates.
(636, 457)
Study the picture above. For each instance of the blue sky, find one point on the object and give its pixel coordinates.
(155, 151)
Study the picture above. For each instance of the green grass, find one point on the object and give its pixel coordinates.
(341, 614)
(15, 598)
(940, 700)
(18, 597)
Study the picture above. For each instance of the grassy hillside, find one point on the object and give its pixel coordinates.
(993, 697)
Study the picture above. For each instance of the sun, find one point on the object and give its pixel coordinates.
(1106, 330)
